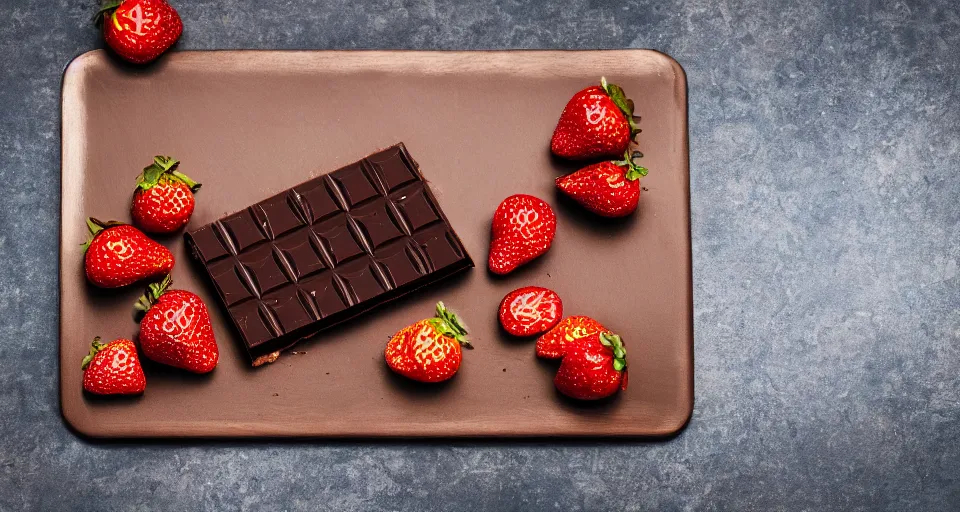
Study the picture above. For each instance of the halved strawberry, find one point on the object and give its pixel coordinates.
(553, 344)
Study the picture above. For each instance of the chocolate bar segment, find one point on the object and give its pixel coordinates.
(327, 250)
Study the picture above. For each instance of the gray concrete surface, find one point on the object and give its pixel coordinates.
(825, 148)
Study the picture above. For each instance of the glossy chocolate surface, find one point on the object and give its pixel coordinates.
(328, 249)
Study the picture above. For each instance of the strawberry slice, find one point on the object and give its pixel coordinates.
(530, 310)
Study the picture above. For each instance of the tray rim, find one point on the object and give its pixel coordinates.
(353, 57)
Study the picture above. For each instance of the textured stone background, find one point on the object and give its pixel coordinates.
(825, 146)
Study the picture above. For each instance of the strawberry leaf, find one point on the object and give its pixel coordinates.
(163, 168)
(620, 99)
(183, 178)
(450, 325)
(95, 347)
(107, 9)
(96, 226)
(634, 171)
(608, 339)
(626, 105)
(152, 295)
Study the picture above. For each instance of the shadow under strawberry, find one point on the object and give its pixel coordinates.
(111, 400)
(572, 212)
(599, 407)
(564, 166)
(168, 239)
(513, 339)
(111, 298)
(161, 372)
(416, 388)
(131, 69)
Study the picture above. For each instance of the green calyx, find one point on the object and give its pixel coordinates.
(164, 168)
(152, 295)
(106, 9)
(447, 324)
(634, 171)
(625, 104)
(95, 347)
(613, 341)
(96, 226)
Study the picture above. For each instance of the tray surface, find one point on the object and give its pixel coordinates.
(251, 124)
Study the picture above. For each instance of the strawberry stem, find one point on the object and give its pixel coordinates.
(193, 185)
(95, 347)
(450, 325)
(634, 171)
(613, 341)
(164, 168)
(152, 295)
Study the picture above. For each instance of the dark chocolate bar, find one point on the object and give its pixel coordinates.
(326, 250)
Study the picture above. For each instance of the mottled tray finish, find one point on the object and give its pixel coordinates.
(250, 125)
(326, 250)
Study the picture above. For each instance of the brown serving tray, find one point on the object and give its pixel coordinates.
(249, 124)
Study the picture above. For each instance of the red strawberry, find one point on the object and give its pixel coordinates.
(530, 310)
(175, 329)
(523, 228)
(163, 201)
(597, 122)
(610, 189)
(429, 350)
(120, 255)
(594, 368)
(139, 30)
(553, 344)
(113, 369)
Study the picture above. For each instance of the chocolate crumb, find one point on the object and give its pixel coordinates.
(265, 359)
(504, 369)
(276, 394)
